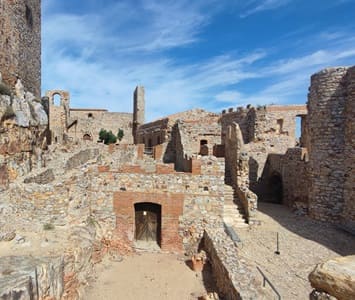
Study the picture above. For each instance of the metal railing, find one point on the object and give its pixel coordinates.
(265, 279)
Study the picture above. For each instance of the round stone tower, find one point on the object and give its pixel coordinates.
(327, 101)
(20, 40)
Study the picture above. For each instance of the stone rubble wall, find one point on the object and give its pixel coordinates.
(164, 131)
(90, 122)
(237, 166)
(348, 215)
(331, 153)
(20, 40)
(235, 279)
(265, 130)
(192, 132)
(293, 168)
(187, 137)
(203, 199)
(155, 131)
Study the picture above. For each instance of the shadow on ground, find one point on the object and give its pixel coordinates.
(323, 233)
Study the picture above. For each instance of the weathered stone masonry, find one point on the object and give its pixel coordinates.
(331, 153)
(20, 40)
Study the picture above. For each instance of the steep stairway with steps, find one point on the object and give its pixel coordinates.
(233, 215)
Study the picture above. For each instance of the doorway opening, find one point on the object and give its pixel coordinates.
(203, 147)
(275, 188)
(148, 222)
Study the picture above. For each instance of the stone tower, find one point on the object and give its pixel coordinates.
(331, 115)
(138, 110)
(20, 43)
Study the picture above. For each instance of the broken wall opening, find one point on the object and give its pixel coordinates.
(275, 189)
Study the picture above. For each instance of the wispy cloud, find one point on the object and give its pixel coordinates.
(100, 56)
(256, 6)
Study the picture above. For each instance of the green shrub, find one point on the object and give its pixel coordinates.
(120, 134)
(107, 137)
(4, 89)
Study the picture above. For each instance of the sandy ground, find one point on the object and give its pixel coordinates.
(303, 244)
(146, 276)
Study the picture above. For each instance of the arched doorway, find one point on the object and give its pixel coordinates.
(275, 188)
(148, 222)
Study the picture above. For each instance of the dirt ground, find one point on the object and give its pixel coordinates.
(303, 243)
(148, 276)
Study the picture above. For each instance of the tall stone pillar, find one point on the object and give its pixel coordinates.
(138, 111)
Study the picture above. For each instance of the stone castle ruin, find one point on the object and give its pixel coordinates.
(187, 181)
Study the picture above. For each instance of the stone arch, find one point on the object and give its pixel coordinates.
(64, 97)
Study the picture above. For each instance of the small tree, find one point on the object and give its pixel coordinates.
(102, 134)
(120, 134)
(107, 137)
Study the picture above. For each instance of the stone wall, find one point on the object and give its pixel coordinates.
(331, 153)
(188, 201)
(293, 170)
(234, 278)
(20, 40)
(348, 215)
(89, 122)
(154, 133)
(265, 130)
(207, 131)
(199, 124)
(83, 125)
(237, 170)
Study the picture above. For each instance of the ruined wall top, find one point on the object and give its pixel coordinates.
(20, 40)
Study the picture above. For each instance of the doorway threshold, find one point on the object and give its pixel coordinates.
(146, 246)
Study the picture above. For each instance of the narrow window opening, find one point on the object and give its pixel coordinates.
(56, 100)
(29, 17)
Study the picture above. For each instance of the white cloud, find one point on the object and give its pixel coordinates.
(101, 56)
(258, 6)
(229, 96)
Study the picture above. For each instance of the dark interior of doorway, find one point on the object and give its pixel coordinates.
(148, 222)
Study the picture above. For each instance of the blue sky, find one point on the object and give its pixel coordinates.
(211, 54)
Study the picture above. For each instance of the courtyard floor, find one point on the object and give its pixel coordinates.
(148, 276)
(303, 244)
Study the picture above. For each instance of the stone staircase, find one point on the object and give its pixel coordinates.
(233, 215)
